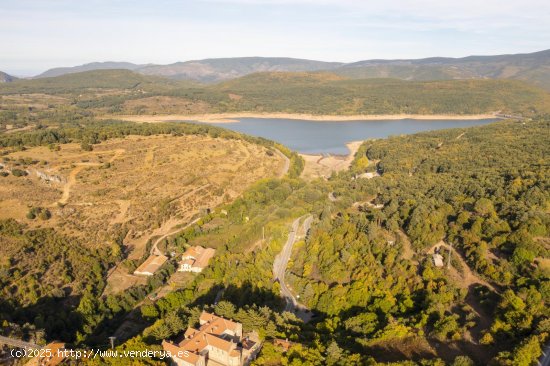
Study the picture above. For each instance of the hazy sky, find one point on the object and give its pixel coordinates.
(39, 34)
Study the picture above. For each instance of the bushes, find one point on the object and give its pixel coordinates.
(19, 173)
(40, 212)
(86, 146)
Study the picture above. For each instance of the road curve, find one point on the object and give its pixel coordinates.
(286, 167)
(281, 262)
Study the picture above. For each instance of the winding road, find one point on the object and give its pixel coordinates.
(281, 262)
(286, 167)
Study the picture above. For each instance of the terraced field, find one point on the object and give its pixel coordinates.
(142, 186)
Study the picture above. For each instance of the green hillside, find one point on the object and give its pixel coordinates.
(97, 79)
(329, 94)
(112, 92)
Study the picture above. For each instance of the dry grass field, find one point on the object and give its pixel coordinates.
(145, 186)
(164, 105)
(38, 101)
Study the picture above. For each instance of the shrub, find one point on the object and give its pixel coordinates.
(19, 173)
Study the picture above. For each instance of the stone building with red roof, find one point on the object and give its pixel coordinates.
(218, 341)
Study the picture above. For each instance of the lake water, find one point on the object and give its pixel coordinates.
(314, 137)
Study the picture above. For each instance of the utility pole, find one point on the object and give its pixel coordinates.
(449, 259)
(112, 339)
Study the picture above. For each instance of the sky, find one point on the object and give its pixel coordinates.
(36, 35)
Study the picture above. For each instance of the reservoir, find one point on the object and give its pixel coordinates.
(327, 137)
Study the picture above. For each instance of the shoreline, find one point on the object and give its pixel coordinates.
(234, 117)
(352, 147)
(321, 166)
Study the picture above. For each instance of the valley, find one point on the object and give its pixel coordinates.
(274, 183)
(324, 197)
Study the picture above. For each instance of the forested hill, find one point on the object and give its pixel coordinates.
(368, 262)
(87, 81)
(125, 92)
(330, 94)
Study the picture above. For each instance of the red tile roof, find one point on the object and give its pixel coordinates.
(211, 333)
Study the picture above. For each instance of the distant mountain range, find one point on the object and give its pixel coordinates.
(58, 71)
(5, 78)
(530, 67)
(218, 69)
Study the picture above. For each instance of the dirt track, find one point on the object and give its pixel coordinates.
(468, 277)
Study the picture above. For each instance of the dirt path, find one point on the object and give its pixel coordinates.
(468, 280)
(170, 232)
(71, 181)
(468, 277)
(408, 252)
(121, 217)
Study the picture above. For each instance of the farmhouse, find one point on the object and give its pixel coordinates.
(195, 259)
(218, 341)
(151, 265)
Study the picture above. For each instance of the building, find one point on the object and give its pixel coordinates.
(218, 341)
(438, 260)
(151, 265)
(283, 344)
(195, 259)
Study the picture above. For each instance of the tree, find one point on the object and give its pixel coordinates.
(334, 353)
(526, 354)
(522, 256)
(149, 311)
(463, 361)
(225, 309)
(484, 207)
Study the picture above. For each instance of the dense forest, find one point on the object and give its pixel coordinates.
(485, 190)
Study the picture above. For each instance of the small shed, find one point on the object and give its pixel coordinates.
(438, 260)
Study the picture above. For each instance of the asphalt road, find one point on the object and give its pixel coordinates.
(545, 358)
(18, 343)
(281, 262)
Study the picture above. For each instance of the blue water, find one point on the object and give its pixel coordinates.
(314, 137)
